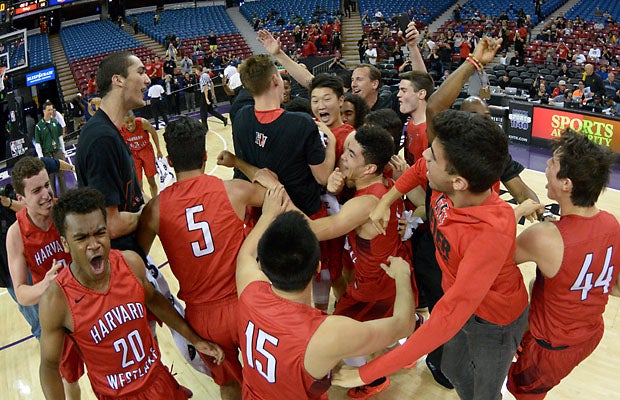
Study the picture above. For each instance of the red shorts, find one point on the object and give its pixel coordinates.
(160, 385)
(539, 369)
(71, 366)
(217, 322)
(145, 159)
(362, 310)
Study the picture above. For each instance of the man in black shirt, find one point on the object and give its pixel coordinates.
(594, 81)
(103, 160)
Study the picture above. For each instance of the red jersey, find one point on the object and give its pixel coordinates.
(276, 333)
(158, 67)
(138, 139)
(201, 235)
(341, 134)
(474, 248)
(149, 68)
(111, 330)
(567, 309)
(415, 141)
(41, 247)
(370, 282)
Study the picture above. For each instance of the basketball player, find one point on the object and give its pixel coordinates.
(199, 220)
(100, 299)
(34, 244)
(483, 313)
(289, 347)
(575, 257)
(136, 132)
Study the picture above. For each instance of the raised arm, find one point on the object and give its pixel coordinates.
(448, 92)
(411, 38)
(273, 47)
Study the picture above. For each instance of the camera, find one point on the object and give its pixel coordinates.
(7, 190)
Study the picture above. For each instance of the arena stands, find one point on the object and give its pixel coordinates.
(422, 10)
(587, 9)
(512, 7)
(294, 11)
(39, 52)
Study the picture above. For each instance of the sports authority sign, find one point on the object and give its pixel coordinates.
(549, 123)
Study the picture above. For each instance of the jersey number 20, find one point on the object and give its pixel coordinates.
(203, 226)
(267, 371)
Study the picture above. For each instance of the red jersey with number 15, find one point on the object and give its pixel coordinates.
(201, 235)
(41, 247)
(138, 139)
(276, 333)
(111, 330)
(568, 308)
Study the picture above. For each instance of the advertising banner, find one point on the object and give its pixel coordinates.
(519, 126)
(549, 123)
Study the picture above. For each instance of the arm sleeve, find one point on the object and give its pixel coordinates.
(476, 273)
(512, 170)
(414, 176)
(52, 165)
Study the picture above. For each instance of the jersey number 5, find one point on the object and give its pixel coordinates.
(584, 280)
(269, 371)
(203, 226)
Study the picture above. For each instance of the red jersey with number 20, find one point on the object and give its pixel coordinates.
(568, 308)
(138, 139)
(41, 247)
(276, 333)
(111, 330)
(201, 235)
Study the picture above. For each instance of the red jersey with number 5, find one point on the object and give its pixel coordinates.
(275, 333)
(41, 247)
(567, 308)
(111, 330)
(201, 235)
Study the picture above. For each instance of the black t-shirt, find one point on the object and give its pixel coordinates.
(104, 162)
(512, 170)
(287, 146)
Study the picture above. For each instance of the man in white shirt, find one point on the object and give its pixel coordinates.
(371, 54)
(594, 53)
(155, 93)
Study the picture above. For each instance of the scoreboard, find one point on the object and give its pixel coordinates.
(24, 7)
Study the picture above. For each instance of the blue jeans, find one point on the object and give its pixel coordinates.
(477, 359)
(31, 313)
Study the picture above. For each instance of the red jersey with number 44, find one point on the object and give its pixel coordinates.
(138, 139)
(567, 308)
(201, 235)
(41, 247)
(111, 330)
(275, 333)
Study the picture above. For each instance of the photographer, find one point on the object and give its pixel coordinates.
(337, 63)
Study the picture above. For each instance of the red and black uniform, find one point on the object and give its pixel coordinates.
(276, 333)
(477, 278)
(112, 333)
(201, 241)
(566, 312)
(141, 149)
(41, 248)
(415, 141)
(371, 294)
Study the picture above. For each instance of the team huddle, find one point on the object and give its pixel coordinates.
(317, 208)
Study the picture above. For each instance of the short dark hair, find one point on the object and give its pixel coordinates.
(420, 80)
(327, 81)
(77, 201)
(475, 147)
(114, 64)
(387, 119)
(289, 252)
(256, 72)
(345, 76)
(361, 108)
(25, 168)
(377, 145)
(185, 142)
(47, 104)
(299, 104)
(373, 72)
(586, 164)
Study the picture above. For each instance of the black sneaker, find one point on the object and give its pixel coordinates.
(439, 376)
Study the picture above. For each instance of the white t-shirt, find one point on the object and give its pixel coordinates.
(229, 71)
(156, 91)
(372, 56)
(234, 81)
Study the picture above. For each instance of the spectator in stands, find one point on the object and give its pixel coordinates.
(504, 81)
(169, 66)
(611, 107)
(611, 86)
(337, 63)
(156, 18)
(134, 24)
(539, 82)
(212, 39)
(370, 55)
(562, 51)
(91, 88)
(595, 104)
(579, 94)
(517, 59)
(171, 51)
(560, 89)
(362, 46)
(595, 53)
(158, 68)
(593, 81)
(308, 49)
(503, 60)
(579, 58)
(434, 62)
(602, 72)
(186, 65)
(171, 87)
(541, 94)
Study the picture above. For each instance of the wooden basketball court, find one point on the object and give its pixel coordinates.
(595, 378)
